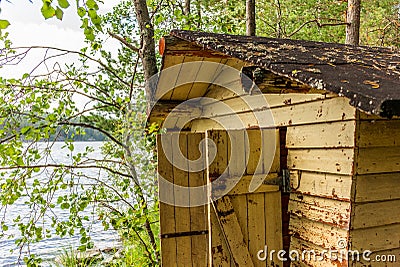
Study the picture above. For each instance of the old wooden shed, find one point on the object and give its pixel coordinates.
(323, 176)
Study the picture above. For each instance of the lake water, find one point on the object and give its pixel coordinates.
(49, 248)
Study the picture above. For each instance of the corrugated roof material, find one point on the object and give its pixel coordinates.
(368, 76)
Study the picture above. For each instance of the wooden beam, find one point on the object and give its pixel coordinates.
(232, 232)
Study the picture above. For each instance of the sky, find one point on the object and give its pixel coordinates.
(29, 28)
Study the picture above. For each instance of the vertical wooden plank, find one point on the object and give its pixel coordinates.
(268, 140)
(219, 253)
(167, 212)
(255, 139)
(256, 226)
(237, 148)
(182, 214)
(273, 228)
(198, 214)
(220, 163)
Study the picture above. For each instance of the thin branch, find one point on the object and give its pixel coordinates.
(49, 165)
(123, 41)
(319, 24)
(77, 53)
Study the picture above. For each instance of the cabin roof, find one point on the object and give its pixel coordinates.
(368, 76)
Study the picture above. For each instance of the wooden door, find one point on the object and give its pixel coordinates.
(235, 224)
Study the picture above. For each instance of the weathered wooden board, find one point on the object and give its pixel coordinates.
(378, 160)
(376, 214)
(240, 185)
(377, 238)
(377, 187)
(335, 109)
(323, 135)
(328, 211)
(244, 102)
(273, 226)
(232, 232)
(240, 205)
(320, 234)
(387, 258)
(182, 213)
(198, 214)
(254, 165)
(311, 259)
(379, 133)
(219, 251)
(322, 184)
(220, 163)
(256, 226)
(167, 212)
(166, 83)
(336, 161)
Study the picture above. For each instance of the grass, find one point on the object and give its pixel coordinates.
(70, 258)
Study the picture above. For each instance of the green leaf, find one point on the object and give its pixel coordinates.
(89, 34)
(47, 10)
(63, 3)
(92, 4)
(4, 24)
(59, 13)
(81, 12)
(64, 206)
(25, 129)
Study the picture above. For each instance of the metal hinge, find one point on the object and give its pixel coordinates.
(286, 181)
(282, 180)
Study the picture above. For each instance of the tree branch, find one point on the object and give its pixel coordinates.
(123, 41)
(319, 24)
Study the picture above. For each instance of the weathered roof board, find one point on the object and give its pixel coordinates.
(368, 76)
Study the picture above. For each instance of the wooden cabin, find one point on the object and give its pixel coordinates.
(327, 169)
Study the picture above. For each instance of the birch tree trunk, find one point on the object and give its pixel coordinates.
(147, 50)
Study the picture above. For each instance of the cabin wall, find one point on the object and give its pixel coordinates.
(320, 143)
(375, 223)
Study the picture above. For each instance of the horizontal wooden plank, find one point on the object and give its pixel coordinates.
(328, 211)
(321, 184)
(370, 117)
(335, 109)
(379, 133)
(242, 103)
(302, 246)
(333, 134)
(376, 187)
(240, 185)
(338, 161)
(376, 214)
(387, 258)
(320, 234)
(378, 160)
(377, 238)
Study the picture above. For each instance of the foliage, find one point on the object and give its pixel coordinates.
(39, 107)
